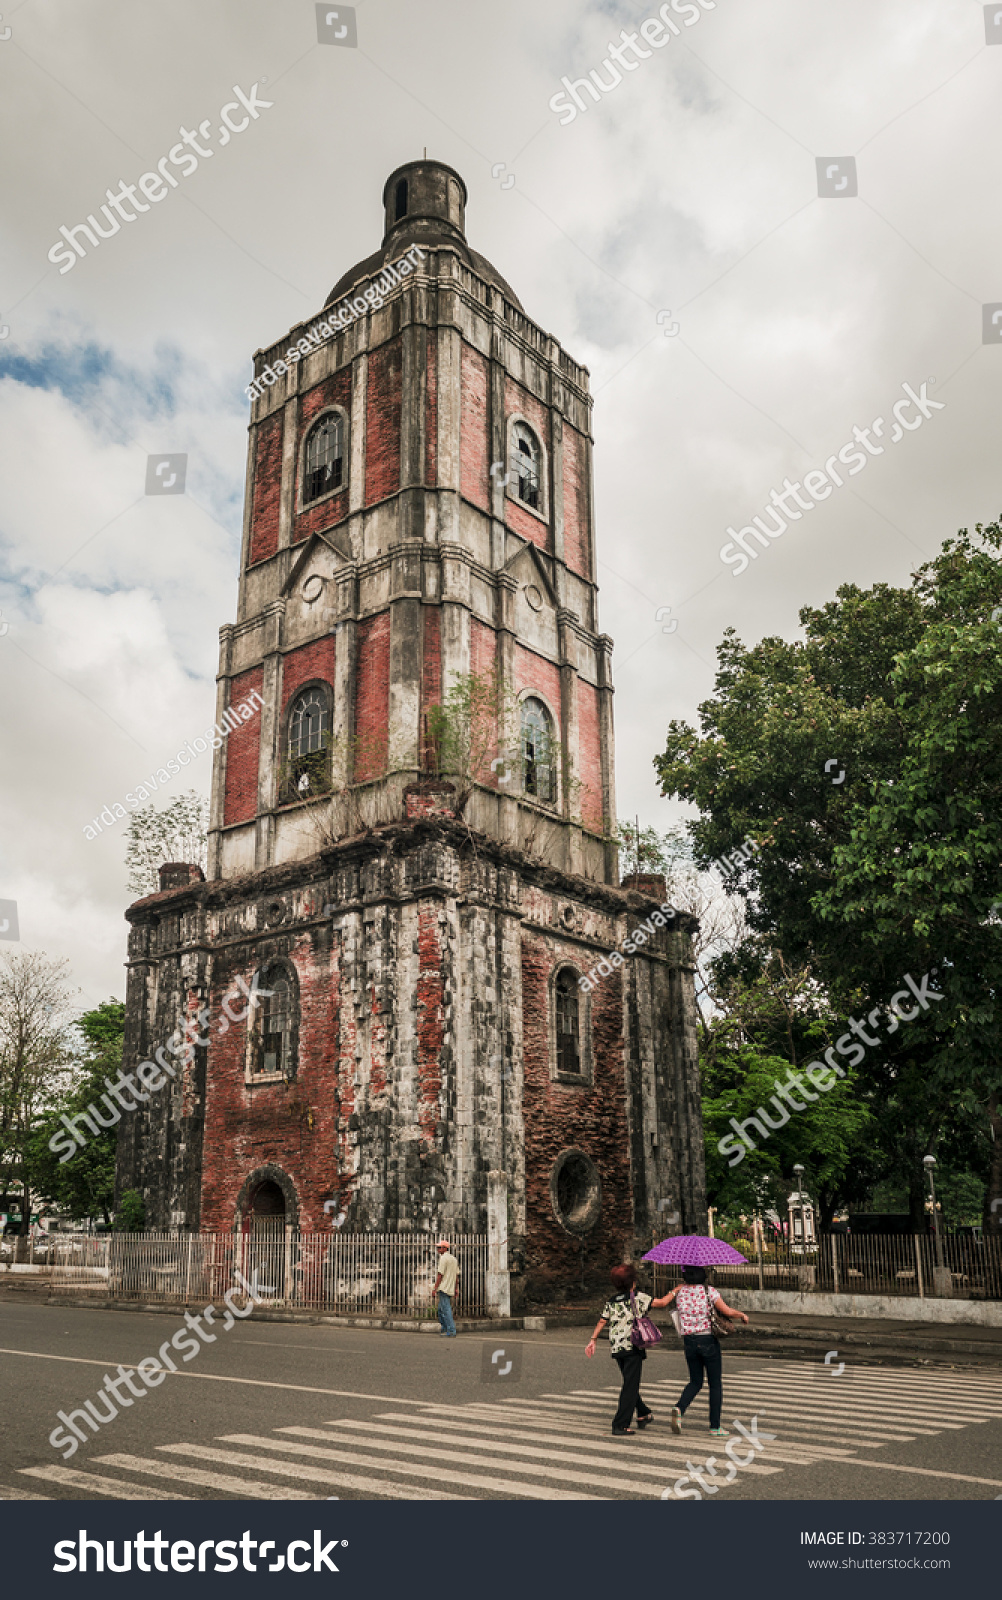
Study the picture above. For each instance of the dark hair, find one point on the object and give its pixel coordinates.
(624, 1277)
(693, 1274)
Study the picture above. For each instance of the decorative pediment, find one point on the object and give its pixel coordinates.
(531, 570)
(312, 560)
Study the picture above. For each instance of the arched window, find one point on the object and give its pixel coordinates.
(273, 1040)
(323, 464)
(525, 462)
(400, 200)
(538, 775)
(568, 1022)
(306, 771)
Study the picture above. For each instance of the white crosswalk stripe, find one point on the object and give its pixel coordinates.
(558, 1446)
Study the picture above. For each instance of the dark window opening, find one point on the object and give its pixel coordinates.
(400, 200)
(568, 1024)
(537, 751)
(323, 468)
(275, 1054)
(306, 771)
(525, 459)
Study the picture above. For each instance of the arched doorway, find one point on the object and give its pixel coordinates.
(267, 1211)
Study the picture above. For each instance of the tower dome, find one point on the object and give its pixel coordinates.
(424, 203)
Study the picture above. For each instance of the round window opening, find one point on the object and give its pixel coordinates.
(576, 1191)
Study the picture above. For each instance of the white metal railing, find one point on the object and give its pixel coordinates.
(380, 1274)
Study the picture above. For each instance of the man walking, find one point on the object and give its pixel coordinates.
(445, 1287)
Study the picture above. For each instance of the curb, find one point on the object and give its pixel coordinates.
(317, 1318)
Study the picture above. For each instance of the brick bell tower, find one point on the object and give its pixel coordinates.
(418, 514)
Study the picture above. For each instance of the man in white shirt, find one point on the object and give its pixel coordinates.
(446, 1285)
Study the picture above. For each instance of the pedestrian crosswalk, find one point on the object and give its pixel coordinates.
(558, 1446)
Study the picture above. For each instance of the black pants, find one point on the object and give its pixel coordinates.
(630, 1364)
(702, 1351)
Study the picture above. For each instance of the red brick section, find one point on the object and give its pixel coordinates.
(304, 665)
(518, 400)
(576, 541)
(242, 749)
(372, 697)
(267, 489)
(534, 672)
(291, 1125)
(589, 761)
(474, 465)
(431, 412)
(483, 664)
(382, 426)
(430, 1023)
(560, 1116)
(334, 391)
(431, 674)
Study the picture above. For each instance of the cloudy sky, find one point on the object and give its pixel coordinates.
(737, 325)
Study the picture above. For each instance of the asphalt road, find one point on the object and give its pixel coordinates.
(292, 1411)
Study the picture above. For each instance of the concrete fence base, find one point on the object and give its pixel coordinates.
(901, 1308)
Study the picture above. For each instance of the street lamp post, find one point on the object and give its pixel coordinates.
(799, 1170)
(929, 1163)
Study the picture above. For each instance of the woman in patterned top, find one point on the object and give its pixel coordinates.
(700, 1343)
(619, 1313)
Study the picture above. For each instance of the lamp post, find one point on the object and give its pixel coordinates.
(929, 1162)
(799, 1170)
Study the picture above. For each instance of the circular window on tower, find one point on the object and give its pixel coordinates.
(575, 1191)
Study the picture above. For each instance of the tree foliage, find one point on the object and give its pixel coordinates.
(865, 760)
(84, 1186)
(178, 832)
(35, 1053)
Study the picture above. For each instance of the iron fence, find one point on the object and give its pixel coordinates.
(374, 1274)
(904, 1264)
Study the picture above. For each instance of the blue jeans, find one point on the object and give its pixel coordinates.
(445, 1314)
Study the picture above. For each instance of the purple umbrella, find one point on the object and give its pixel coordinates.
(692, 1250)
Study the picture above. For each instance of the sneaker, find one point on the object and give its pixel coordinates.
(676, 1420)
(719, 1433)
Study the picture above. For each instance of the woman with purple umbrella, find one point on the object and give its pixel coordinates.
(697, 1303)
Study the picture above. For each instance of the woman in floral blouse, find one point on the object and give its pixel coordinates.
(700, 1343)
(619, 1313)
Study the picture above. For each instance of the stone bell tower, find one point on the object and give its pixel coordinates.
(419, 514)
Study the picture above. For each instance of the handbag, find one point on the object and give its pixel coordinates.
(644, 1332)
(720, 1327)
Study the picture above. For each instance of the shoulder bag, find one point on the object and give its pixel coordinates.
(720, 1326)
(644, 1332)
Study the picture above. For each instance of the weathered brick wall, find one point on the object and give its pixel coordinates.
(372, 696)
(382, 425)
(474, 456)
(535, 672)
(334, 391)
(576, 539)
(242, 753)
(309, 662)
(559, 1116)
(267, 489)
(589, 757)
(519, 401)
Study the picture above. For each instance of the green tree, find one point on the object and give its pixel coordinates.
(84, 1185)
(179, 832)
(865, 761)
(35, 1056)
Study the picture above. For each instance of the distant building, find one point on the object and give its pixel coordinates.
(419, 509)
